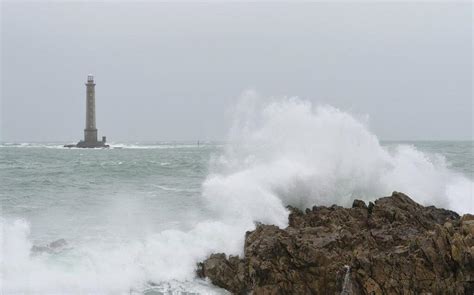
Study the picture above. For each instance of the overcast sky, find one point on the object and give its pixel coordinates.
(173, 71)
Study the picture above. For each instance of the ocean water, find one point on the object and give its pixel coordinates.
(139, 216)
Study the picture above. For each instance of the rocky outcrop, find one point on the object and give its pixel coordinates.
(391, 246)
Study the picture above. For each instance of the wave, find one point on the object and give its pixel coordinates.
(163, 260)
(283, 152)
(32, 145)
(289, 152)
(175, 189)
(152, 146)
(112, 145)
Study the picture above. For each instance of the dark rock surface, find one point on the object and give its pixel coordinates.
(391, 246)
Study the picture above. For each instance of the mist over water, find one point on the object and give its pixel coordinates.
(146, 213)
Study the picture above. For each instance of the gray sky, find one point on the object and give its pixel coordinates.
(172, 71)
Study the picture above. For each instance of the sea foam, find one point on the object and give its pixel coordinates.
(289, 152)
(281, 152)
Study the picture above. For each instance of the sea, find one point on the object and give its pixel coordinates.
(136, 218)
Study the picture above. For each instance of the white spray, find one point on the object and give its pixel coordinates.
(280, 152)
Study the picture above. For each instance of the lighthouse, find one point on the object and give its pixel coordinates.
(90, 131)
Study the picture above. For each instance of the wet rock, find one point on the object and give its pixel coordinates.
(52, 247)
(359, 204)
(227, 273)
(57, 244)
(391, 246)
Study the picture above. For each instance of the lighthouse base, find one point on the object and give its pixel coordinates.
(89, 145)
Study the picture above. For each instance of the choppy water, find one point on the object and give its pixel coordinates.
(100, 198)
(155, 186)
(144, 212)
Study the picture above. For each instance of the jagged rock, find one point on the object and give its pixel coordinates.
(359, 204)
(391, 246)
(228, 273)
